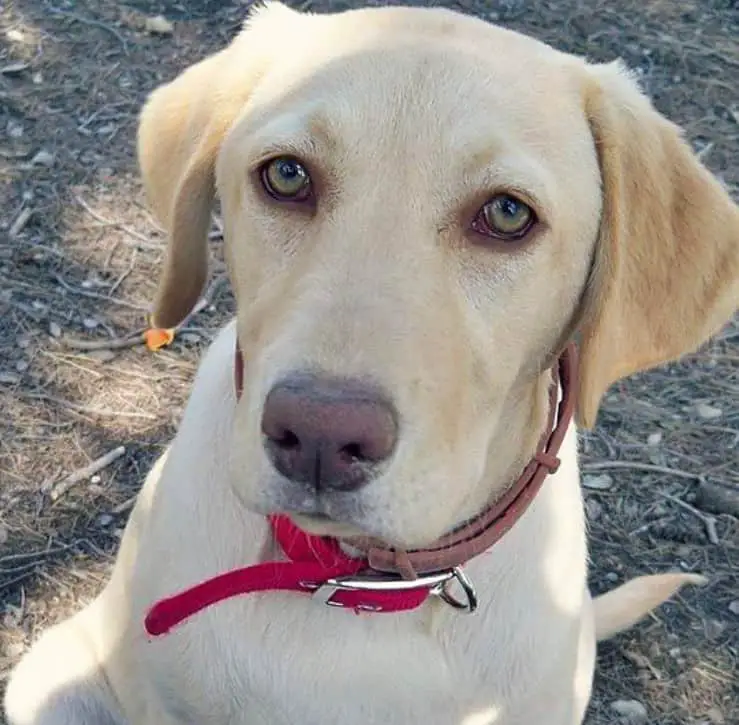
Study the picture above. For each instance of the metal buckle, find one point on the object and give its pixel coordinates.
(437, 584)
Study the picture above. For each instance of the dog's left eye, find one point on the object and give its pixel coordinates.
(504, 217)
(286, 179)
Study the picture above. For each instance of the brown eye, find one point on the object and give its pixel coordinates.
(504, 217)
(286, 179)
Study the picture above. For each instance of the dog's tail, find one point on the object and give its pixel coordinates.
(626, 605)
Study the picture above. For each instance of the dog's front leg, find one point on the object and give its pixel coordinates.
(60, 681)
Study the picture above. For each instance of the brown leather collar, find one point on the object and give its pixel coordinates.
(480, 533)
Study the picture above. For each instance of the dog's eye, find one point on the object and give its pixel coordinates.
(504, 217)
(286, 179)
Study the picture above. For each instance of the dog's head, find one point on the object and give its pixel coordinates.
(420, 209)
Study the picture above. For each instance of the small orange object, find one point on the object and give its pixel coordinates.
(157, 338)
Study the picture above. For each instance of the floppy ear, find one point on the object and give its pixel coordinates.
(666, 268)
(181, 128)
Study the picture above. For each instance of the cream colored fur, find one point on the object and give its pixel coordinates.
(409, 120)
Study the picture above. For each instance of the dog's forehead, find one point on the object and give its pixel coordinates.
(406, 91)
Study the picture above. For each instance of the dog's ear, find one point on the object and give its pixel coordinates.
(666, 267)
(181, 128)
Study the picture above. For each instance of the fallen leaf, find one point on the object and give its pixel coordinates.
(157, 338)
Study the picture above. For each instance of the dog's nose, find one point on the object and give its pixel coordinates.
(328, 434)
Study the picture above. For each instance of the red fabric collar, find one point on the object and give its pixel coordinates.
(313, 560)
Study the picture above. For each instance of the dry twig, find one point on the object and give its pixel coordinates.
(708, 521)
(92, 23)
(637, 466)
(145, 242)
(60, 488)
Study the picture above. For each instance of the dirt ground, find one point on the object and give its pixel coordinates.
(79, 258)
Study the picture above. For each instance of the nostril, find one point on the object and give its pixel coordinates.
(352, 452)
(286, 440)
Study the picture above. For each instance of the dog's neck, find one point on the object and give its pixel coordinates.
(512, 446)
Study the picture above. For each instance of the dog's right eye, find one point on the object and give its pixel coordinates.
(286, 179)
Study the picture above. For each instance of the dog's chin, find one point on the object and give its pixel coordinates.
(322, 525)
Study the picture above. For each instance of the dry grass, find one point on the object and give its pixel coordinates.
(79, 256)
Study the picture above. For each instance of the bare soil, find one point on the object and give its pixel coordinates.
(79, 259)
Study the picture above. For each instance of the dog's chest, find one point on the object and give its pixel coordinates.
(282, 661)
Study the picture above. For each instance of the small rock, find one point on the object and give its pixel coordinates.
(14, 129)
(90, 323)
(612, 576)
(714, 629)
(734, 607)
(708, 412)
(654, 439)
(16, 36)
(43, 158)
(598, 483)
(594, 509)
(8, 378)
(96, 478)
(37, 79)
(632, 712)
(158, 25)
(105, 520)
(55, 330)
(21, 366)
(715, 716)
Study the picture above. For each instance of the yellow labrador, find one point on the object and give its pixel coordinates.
(421, 211)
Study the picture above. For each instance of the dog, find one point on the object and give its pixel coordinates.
(446, 240)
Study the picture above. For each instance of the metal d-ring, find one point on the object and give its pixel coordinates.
(442, 591)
